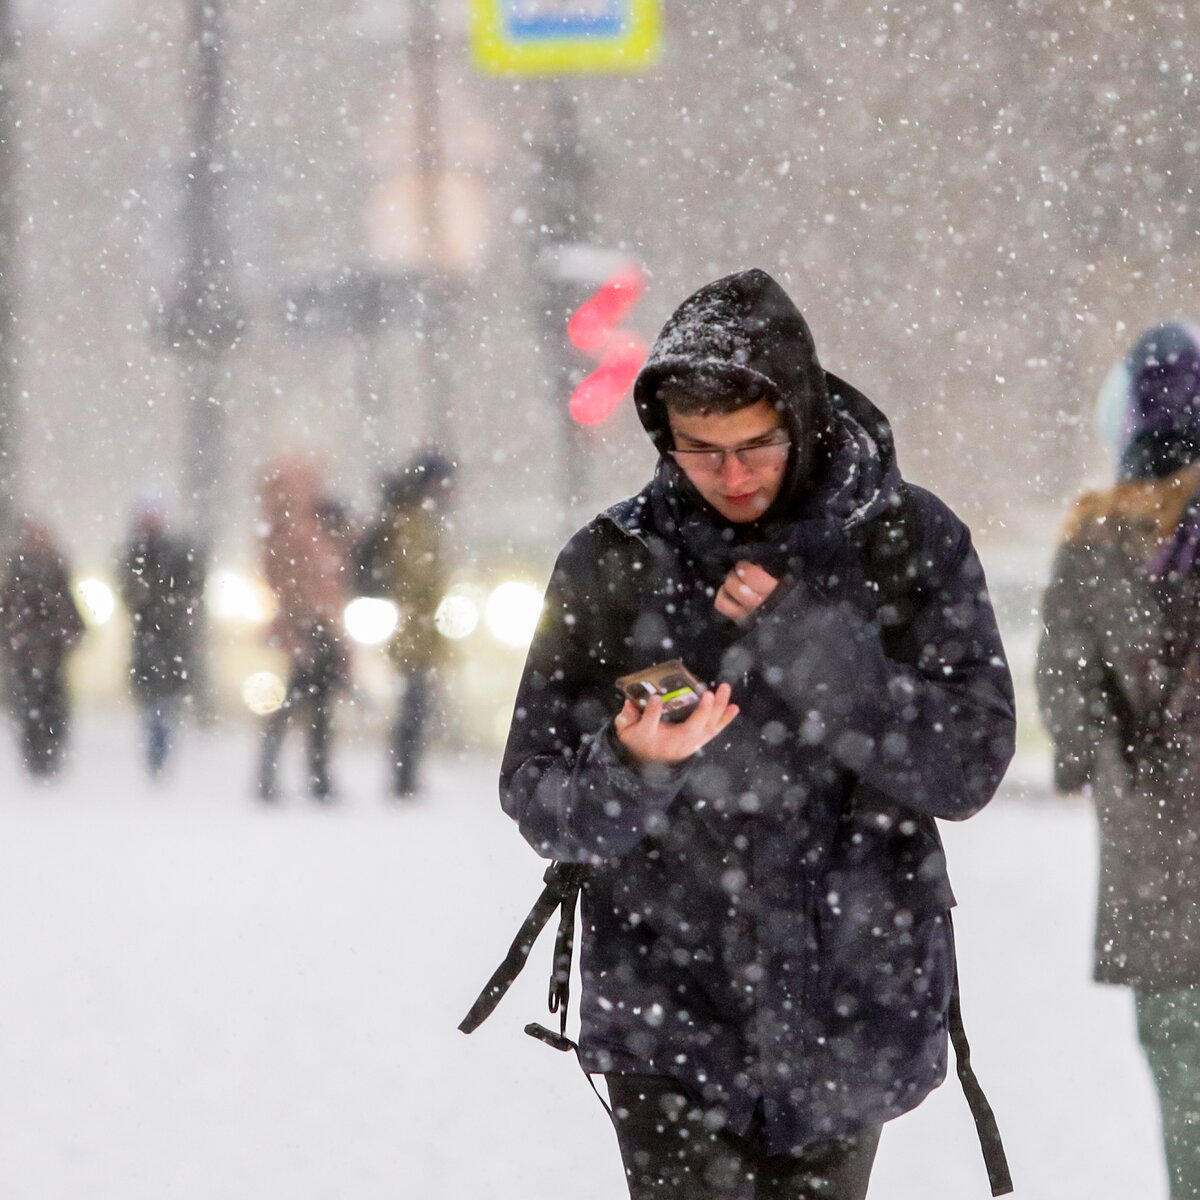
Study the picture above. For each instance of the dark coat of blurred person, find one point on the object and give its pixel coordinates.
(40, 624)
(767, 960)
(306, 568)
(401, 558)
(160, 587)
(1119, 686)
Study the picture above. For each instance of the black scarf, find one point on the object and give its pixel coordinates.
(805, 534)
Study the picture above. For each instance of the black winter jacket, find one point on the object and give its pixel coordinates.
(767, 923)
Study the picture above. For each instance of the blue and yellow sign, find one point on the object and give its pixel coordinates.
(564, 37)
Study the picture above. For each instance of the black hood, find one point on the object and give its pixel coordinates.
(745, 328)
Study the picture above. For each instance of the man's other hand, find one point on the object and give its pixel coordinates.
(744, 589)
(649, 739)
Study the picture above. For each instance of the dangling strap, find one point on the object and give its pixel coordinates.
(564, 949)
(985, 1121)
(560, 1041)
(560, 978)
(562, 883)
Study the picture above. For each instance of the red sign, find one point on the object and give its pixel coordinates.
(594, 330)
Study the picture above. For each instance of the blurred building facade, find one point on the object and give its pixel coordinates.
(977, 206)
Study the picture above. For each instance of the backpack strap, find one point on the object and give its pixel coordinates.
(994, 1157)
(562, 882)
(889, 557)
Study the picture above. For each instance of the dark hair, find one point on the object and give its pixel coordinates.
(703, 393)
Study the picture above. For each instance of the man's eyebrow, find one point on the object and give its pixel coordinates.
(759, 437)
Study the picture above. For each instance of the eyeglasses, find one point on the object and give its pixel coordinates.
(709, 462)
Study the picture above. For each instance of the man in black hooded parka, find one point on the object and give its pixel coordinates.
(767, 958)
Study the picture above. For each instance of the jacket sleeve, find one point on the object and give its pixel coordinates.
(928, 722)
(565, 779)
(1070, 669)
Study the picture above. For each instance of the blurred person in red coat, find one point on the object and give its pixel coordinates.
(305, 566)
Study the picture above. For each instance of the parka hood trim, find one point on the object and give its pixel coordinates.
(1153, 504)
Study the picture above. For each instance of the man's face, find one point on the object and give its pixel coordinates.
(740, 487)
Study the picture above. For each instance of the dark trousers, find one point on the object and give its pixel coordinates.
(159, 716)
(408, 732)
(42, 715)
(674, 1149)
(310, 694)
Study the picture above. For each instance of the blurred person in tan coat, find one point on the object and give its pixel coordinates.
(306, 569)
(400, 558)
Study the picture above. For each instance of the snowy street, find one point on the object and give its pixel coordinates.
(208, 1000)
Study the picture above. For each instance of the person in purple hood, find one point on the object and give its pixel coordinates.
(767, 961)
(1119, 687)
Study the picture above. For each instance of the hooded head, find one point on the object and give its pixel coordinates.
(429, 474)
(291, 488)
(1150, 403)
(735, 343)
(148, 511)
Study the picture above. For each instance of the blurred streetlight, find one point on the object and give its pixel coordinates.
(371, 620)
(512, 612)
(233, 596)
(96, 600)
(263, 693)
(458, 614)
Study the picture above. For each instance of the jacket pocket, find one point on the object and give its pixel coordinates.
(884, 967)
(884, 979)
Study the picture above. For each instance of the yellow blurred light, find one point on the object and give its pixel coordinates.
(234, 596)
(97, 601)
(371, 620)
(512, 612)
(263, 692)
(457, 616)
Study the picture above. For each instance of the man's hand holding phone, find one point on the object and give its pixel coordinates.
(649, 739)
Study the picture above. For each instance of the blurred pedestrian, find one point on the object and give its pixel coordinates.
(306, 569)
(160, 586)
(39, 624)
(400, 558)
(1119, 686)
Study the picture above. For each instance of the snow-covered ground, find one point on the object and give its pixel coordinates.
(204, 1000)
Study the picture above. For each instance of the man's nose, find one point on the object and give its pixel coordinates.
(734, 471)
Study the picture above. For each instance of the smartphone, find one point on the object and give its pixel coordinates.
(679, 688)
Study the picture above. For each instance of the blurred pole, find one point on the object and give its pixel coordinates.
(205, 322)
(8, 281)
(369, 388)
(563, 178)
(434, 314)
